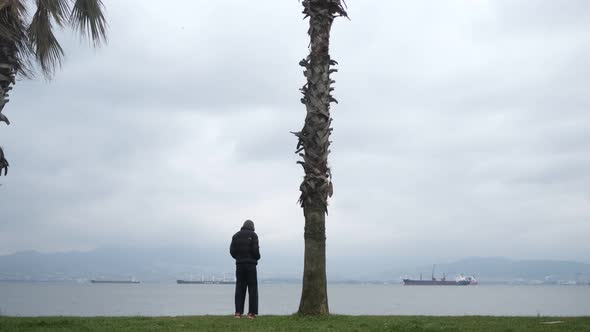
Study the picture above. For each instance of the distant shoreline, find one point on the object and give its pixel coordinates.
(292, 282)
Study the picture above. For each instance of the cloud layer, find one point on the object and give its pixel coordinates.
(462, 130)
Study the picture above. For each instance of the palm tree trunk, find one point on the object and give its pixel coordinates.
(7, 74)
(7, 78)
(314, 141)
(314, 294)
(8, 67)
(13, 34)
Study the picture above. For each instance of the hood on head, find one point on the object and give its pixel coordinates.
(248, 224)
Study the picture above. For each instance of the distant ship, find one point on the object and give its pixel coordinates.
(206, 282)
(212, 281)
(114, 281)
(459, 281)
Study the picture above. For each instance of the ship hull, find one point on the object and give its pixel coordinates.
(114, 282)
(411, 282)
(210, 282)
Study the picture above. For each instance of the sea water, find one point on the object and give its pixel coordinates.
(169, 299)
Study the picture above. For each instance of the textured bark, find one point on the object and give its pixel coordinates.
(314, 295)
(314, 141)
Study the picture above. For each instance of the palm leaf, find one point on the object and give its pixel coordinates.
(59, 9)
(17, 6)
(48, 51)
(88, 18)
(3, 162)
(13, 34)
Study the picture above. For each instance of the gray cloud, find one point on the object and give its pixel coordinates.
(462, 129)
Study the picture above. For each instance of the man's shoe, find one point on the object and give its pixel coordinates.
(251, 316)
(237, 315)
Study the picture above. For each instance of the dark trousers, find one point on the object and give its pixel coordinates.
(246, 278)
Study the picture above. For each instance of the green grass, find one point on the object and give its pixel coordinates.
(294, 323)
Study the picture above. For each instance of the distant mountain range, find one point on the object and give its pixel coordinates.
(171, 264)
(147, 264)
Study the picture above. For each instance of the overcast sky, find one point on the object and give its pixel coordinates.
(463, 129)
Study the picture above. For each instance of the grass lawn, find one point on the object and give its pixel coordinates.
(294, 323)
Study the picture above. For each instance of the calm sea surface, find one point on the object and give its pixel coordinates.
(71, 299)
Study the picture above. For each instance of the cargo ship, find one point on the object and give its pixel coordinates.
(461, 280)
(212, 281)
(114, 281)
(206, 282)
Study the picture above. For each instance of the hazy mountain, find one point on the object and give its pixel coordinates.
(169, 264)
(148, 264)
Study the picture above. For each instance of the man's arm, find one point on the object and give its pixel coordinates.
(255, 248)
(232, 247)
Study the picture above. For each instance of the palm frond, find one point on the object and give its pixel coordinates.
(12, 15)
(59, 9)
(333, 7)
(16, 48)
(48, 51)
(88, 18)
(16, 6)
(3, 162)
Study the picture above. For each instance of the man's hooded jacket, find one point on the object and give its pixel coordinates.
(244, 245)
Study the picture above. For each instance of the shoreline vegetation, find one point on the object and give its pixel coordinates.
(296, 323)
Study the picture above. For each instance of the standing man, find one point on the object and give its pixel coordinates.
(245, 250)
